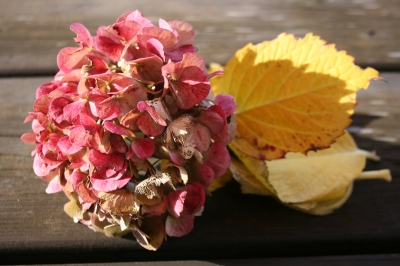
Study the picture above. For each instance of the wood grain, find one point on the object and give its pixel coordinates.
(32, 32)
(355, 260)
(34, 228)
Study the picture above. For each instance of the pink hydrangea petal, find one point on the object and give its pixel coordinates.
(98, 64)
(83, 35)
(42, 104)
(109, 33)
(206, 174)
(46, 88)
(227, 102)
(72, 76)
(186, 200)
(121, 104)
(106, 185)
(112, 82)
(52, 174)
(192, 87)
(67, 147)
(195, 198)
(176, 201)
(215, 73)
(143, 148)
(43, 167)
(154, 46)
(29, 138)
(50, 149)
(148, 126)
(79, 160)
(131, 51)
(88, 123)
(202, 137)
(148, 68)
(56, 108)
(185, 34)
(118, 129)
(99, 159)
(144, 105)
(118, 144)
(164, 25)
(130, 119)
(42, 120)
(127, 29)
(73, 110)
(137, 17)
(54, 186)
(109, 47)
(95, 98)
(80, 137)
(179, 227)
(192, 59)
(70, 58)
(177, 54)
(223, 136)
(37, 127)
(176, 157)
(78, 181)
(166, 37)
(132, 157)
(213, 118)
(109, 109)
(31, 116)
(39, 167)
(185, 31)
(188, 80)
(218, 158)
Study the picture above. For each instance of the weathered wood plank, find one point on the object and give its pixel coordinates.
(32, 32)
(34, 228)
(355, 260)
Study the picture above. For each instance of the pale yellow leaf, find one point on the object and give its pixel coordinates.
(321, 175)
(316, 183)
(323, 207)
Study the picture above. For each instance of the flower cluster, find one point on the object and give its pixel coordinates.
(123, 100)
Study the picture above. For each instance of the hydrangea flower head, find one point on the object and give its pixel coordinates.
(123, 100)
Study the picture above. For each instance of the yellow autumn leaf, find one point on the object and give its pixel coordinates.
(292, 94)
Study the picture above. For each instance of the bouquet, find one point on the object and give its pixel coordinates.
(131, 131)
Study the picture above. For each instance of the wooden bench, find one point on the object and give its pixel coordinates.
(234, 228)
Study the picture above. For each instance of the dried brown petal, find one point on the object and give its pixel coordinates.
(148, 187)
(114, 230)
(118, 201)
(177, 173)
(154, 228)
